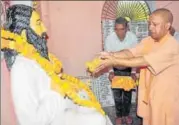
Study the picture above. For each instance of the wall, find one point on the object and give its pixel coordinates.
(75, 30)
(173, 7)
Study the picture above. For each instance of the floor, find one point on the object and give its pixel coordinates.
(111, 113)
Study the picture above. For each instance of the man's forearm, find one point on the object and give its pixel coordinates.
(130, 62)
(125, 54)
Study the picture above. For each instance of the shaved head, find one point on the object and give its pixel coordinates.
(160, 23)
(165, 14)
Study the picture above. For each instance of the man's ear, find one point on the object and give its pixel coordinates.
(23, 34)
(168, 25)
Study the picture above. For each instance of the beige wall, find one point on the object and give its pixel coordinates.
(7, 109)
(75, 30)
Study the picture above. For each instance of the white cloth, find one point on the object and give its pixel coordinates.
(27, 3)
(113, 43)
(37, 104)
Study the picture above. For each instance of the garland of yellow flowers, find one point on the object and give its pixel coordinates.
(123, 82)
(65, 85)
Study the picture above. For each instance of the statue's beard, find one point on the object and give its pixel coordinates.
(39, 42)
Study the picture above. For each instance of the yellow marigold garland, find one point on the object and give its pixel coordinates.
(123, 82)
(66, 86)
(126, 83)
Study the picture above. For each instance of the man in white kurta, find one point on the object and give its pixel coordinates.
(119, 40)
(35, 102)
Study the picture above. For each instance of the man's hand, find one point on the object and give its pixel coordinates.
(106, 63)
(89, 72)
(104, 53)
(111, 76)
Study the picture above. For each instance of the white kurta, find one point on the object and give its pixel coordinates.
(36, 104)
(114, 44)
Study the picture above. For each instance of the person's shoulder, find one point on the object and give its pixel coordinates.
(172, 40)
(111, 37)
(131, 37)
(23, 63)
(131, 33)
(171, 45)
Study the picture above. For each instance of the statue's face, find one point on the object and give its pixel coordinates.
(36, 24)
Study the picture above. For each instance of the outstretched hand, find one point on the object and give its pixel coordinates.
(105, 64)
(103, 53)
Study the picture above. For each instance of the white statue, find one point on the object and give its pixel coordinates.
(37, 99)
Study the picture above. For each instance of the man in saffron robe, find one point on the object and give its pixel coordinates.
(158, 58)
